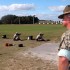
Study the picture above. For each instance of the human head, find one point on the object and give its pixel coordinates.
(65, 12)
(66, 16)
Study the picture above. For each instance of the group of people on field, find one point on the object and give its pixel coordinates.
(64, 47)
(39, 37)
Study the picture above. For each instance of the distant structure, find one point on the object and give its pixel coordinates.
(49, 22)
(39, 23)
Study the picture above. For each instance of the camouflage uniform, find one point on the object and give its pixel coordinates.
(65, 41)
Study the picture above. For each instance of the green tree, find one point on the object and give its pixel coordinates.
(8, 19)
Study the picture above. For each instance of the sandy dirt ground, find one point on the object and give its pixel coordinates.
(31, 59)
(20, 62)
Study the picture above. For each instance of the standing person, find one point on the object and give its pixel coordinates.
(64, 52)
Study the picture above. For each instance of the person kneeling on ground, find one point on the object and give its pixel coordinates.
(39, 37)
(16, 36)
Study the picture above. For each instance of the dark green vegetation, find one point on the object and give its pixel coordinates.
(13, 19)
(52, 32)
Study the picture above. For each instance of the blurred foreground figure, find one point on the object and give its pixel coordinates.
(16, 36)
(64, 48)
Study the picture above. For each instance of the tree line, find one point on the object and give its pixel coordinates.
(13, 19)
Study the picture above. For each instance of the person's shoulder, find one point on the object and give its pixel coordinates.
(67, 32)
(64, 34)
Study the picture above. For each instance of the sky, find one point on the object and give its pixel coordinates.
(43, 9)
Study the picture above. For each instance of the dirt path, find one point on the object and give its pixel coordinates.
(47, 51)
(43, 57)
(29, 63)
(39, 58)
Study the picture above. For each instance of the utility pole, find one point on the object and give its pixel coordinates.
(19, 20)
(33, 18)
(11, 21)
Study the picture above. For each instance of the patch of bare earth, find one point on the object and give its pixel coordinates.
(18, 61)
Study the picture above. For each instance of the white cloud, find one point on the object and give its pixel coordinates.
(3, 8)
(56, 8)
(47, 16)
(39, 15)
(17, 7)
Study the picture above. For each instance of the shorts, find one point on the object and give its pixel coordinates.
(65, 53)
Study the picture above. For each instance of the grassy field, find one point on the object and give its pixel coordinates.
(52, 32)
